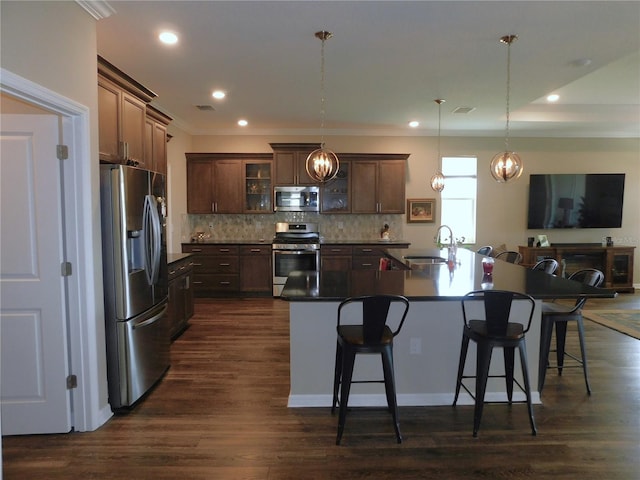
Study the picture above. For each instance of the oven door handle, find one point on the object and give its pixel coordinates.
(294, 252)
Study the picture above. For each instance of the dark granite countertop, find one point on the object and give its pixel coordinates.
(438, 281)
(383, 243)
(260, 241)
(176, 257)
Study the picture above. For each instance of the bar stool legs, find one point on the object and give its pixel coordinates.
(483, 363)
(345, 359)
(548, 321)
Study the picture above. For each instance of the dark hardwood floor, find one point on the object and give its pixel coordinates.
(220, 413)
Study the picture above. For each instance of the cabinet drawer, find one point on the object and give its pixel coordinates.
(216, 264)
(335, 250)
(256, 250)
(368, 250)
(363, 262)
(180, 268)
(210, 249)
(209, 283)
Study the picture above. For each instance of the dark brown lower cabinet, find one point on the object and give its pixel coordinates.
(180, 296)
(228, 270)
(255, 269)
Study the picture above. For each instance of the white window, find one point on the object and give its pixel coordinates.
(459, 196)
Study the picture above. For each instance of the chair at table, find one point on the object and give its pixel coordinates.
(510, 256)
(491, 328)
(373, 324)
(547, 265)
(560, 315)
(486, 250)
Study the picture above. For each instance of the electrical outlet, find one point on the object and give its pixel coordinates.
(210, 224)
(340, 225)
(415, 346)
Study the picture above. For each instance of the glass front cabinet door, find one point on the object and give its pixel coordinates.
(258, 186)
(620, 264)
(335, 193)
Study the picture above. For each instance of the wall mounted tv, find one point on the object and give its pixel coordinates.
(591, 200)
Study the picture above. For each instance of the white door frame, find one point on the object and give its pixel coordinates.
(80, 209)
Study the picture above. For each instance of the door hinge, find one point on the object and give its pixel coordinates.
(66, 269)
(62, 152)
(72, 382)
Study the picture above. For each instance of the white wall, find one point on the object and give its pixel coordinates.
(53, 44)
(502, 208)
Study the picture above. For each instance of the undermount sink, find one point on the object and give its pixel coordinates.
(417, 263)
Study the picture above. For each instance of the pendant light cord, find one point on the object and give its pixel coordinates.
(506, 134)
(324, 35)
(439, 122)
(508, 39)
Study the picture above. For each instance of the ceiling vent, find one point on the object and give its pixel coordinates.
(205, 108)
(464, 109)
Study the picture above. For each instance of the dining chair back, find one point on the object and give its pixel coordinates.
(547, 265)
(510, 256)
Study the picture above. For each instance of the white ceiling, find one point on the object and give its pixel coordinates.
(384, 66)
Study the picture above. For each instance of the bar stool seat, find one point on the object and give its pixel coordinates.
(372, 333)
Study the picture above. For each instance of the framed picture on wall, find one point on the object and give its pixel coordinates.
(543, 241)
(421, 210)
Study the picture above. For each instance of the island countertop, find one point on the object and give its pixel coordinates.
(437, 281)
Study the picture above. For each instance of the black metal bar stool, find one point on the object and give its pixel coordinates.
(494, 330)
(560, 315)
(371, 334)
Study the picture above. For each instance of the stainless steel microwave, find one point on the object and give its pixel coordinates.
(293, 198)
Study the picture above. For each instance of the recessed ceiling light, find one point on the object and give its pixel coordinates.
(580, 62)
(168, 38)
(219, 94)
(414, 124)
(554, 97)
(243, 123)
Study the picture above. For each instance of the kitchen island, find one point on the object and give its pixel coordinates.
(427, 349)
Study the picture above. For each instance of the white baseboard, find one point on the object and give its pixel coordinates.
(404, 400)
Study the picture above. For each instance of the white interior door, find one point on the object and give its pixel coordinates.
(34, 361)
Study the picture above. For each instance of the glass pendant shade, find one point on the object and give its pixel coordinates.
(322, 165)
(437, 182)
(506, 166)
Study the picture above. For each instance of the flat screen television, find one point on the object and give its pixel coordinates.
(581, 200)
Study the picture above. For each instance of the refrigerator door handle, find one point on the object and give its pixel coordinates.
(152, 232)
(151, 320)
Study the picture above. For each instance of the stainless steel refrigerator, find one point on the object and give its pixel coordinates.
(135, 280)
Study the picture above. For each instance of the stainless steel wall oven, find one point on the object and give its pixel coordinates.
(296, 246)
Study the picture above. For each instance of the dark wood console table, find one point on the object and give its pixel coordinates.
(615, 262)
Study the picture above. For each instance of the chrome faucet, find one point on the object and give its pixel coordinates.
(451, 239)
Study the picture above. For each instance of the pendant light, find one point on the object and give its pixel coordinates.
(322, 164)
(437, 181)
(507, 165)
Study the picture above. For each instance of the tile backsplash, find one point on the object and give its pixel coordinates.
(262, 227)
